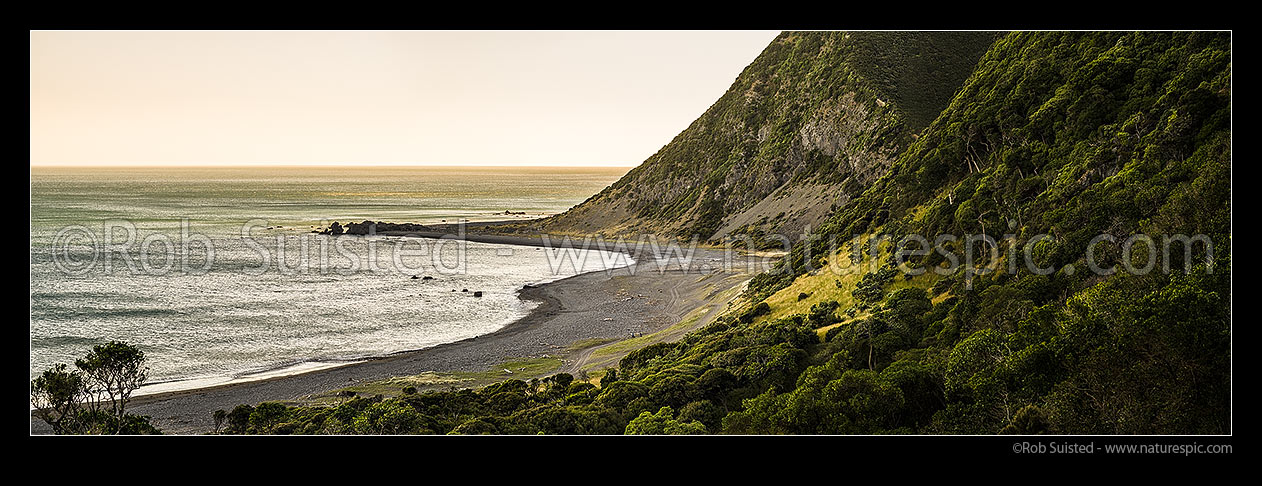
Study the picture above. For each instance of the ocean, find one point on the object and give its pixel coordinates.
(215, 274)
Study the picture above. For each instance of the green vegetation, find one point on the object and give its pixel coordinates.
(663, 423)
(92, 398)
(526, 366)
(1070, 135)
(923, 72)
(408, 385)
(1065, 134)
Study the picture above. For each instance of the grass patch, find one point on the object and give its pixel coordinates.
(838, 285)
(594, 376)
(821, 287)
(827, 284)
(923, 281)
(823, 331)
(522, 369)
(519, 368)
(918, 213)
(582, 344)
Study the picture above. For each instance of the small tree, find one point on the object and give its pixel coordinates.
(611, 375)
(56, 395)
(1030, 420)
(219, 416)
(562, 380)
(267, 416)
(73, 401)
(114, 370)
(239, 419)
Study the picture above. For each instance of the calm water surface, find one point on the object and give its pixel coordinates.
(280, 298)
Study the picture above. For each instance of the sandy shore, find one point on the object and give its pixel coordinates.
(649, 296)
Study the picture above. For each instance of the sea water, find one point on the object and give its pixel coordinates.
(215, 274)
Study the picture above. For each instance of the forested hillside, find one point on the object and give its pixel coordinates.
(1072, 135)
(1069, 135)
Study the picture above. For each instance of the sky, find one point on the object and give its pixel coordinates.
(577, 98)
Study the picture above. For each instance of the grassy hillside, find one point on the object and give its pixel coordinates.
(1071, 135)
(807, 125)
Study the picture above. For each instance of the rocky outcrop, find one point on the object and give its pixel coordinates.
(373, 227)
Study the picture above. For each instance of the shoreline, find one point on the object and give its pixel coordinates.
(302, 367)
(604, 304)
(164, 395)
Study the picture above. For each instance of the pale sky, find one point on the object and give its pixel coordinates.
(373, 97)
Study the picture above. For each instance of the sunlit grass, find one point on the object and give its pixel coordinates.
(523, 369)
(836, 281)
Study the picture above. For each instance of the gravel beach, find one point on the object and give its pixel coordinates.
(651, 295)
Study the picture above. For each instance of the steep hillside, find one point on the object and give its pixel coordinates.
(1069, 135)
(806, 127)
